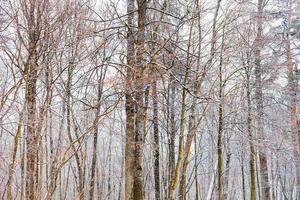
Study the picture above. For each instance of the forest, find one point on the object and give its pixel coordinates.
(149, 99)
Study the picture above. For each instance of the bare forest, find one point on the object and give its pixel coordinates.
(150, 99)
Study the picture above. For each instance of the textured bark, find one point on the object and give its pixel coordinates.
(95, 135)
(130, 148)
(156, 143)
(250, 135)
(243, 177)
(220, 155)
(226, 175)
(197, 89)
(197, 195)
(31, 139)
(156, 146)
(145, 114)
(138, 188)
(292, 89)
(23, 155)
(172, 132)
(94, 161)
(265, 188)
(220, 188)
(31, 70)
(129, 105)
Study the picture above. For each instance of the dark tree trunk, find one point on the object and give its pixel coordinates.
(129, 105)
(138, 188)
(156, 142)
(31, 70)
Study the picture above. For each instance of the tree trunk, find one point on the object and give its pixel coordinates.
(181, 164)
(76, 154)
(156, 143)
(172, 134)
(178, 168)
(11, 169)
(197, 195)
(101, 78)
(293, 104)
(138, 190)
(226, 175)
(243, 176)
(31, 70)
(94, 161)
(265, 189)
(250, 135)
(220, 188)
(129, 105)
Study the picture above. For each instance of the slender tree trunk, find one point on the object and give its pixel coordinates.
(172, 135)
(22, 148)
(197, 195)
(257, 175)
(11, 169)
(76, 154)
(145, 109)
(220, 188)
(226, 176)
(181, 164)
(197, 85)
(121, 177)
(101, 78)
(243, 177)
(197, 88)
(129, 105)
(31, 141)
(220, 151)
(156, 142)
(293, 117)
(293, 103)
(250, 134)
(31, 70)
(109, 185)
(156, 145)
(138, 187)
(265, 188)
(94, 162)
(178, 168)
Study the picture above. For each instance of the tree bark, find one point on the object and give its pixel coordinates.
(11, 169)
(156, 142)
(220, 188)
(172, 132)
(31, 70)
(178, 168)
(138, 188)
(250, 135)
(129, 105)
(265, 188)
(95, 135)
(292, 88)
